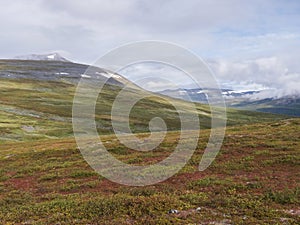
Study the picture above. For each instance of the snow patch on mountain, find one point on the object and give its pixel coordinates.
(85, 76)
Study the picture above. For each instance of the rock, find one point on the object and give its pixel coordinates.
(173, 211)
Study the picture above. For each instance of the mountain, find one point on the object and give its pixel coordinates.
(45, 179)
(55, 71)
(288, 105)
(36, 99)
(246, 100)
(43, 57)
(199, 95)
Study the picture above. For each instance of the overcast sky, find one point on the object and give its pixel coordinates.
(248, 44)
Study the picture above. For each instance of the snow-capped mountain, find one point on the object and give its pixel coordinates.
(199, 95)
(43, 57)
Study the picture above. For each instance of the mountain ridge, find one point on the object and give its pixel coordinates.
(246, 100)
(54, 56)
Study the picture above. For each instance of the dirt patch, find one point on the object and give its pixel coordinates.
(24, 183)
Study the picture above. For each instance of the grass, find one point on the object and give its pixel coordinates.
(50, 177)
(38, 109)
(45, 180)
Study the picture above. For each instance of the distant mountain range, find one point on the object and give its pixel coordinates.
(288, 105)
(43, 57)
(199, 95)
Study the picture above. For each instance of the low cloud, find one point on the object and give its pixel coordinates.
(156, 76)
(271, 73)
(272, 76)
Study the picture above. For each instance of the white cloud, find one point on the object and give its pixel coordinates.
(89, 28)
(261, 73)
(157, 85)
(155, 76)
(255, 42)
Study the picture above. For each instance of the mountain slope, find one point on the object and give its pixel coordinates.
(44, 179)
(54, 71)
(288, 105)
(36, 102)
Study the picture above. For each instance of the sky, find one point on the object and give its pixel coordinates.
(248, 44)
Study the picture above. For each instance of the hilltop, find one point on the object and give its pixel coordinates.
(43, 57)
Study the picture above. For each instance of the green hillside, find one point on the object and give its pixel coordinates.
(32, 109)
(45, 180)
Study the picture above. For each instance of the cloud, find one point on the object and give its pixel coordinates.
(156, 76)
(273, 76)
(262, 73)
(252, 42)
(90, 28)
(157, 85)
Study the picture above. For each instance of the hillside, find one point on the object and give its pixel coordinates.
(36, 102)
(254, 180)
(45, 180)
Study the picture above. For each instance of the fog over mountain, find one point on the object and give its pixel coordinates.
(268, 77)
(273, 76)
